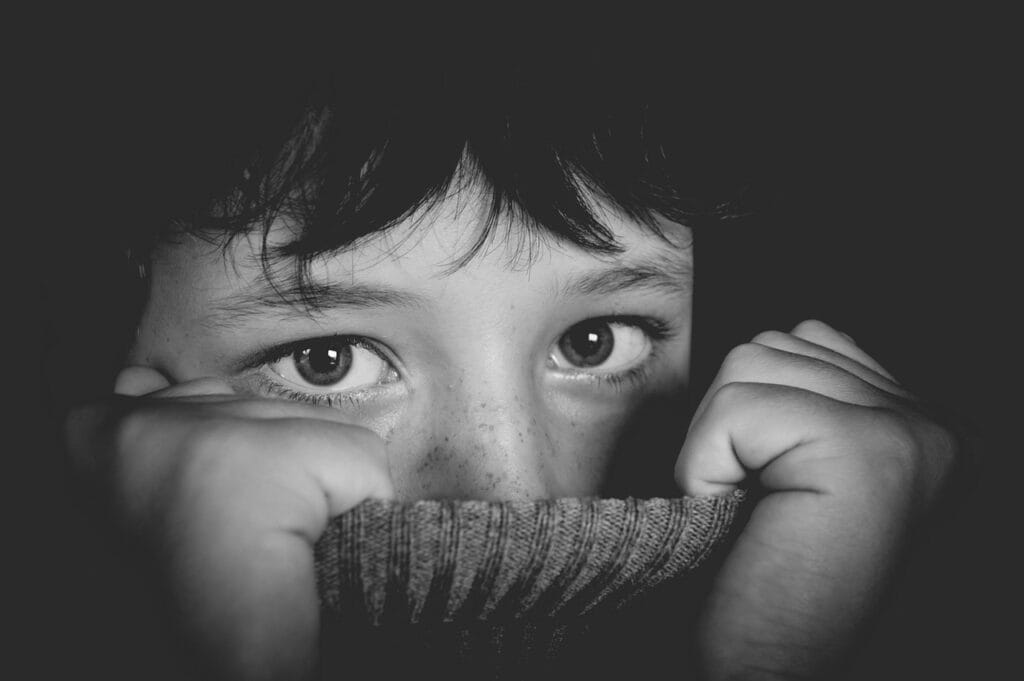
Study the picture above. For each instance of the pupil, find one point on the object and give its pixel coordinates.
(324, 362)
(588, 344)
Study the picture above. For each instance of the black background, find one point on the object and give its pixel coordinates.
(884, 206)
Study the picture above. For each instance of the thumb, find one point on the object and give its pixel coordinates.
(135, 381)
(773, 432)
(138, 381)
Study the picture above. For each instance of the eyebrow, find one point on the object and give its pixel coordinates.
(662, 273)
(292, 301)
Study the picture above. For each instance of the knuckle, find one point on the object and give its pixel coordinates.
(873, 453)
(813, 327)
(744, 358)
(901, 453)
(895, 442)
(735, 394)
(772, 338)
(890, 429)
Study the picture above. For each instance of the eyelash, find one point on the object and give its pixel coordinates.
(271, 387)
(655, 329)
(632, 378)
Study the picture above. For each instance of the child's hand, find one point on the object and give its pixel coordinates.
(230, 494)
(848, 461)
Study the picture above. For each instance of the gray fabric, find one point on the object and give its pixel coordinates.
(433, 562)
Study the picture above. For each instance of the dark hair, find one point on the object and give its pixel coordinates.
(341, 149)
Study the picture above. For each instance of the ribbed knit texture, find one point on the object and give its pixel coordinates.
(500, 580)
(446, 561)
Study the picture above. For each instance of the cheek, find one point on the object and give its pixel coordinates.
(647, 444)
(584, 448)
(629, 451)
(567, 447)
(384, 418)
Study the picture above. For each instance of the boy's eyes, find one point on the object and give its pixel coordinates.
(331, 365)
(326, 370)
(601, 346)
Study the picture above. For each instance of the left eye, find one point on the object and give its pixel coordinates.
(601, 347)
(333, 365)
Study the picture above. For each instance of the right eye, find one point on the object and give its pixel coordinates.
(602, 347)
(324, 366)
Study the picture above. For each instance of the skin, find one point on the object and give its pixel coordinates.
(479, 408)
(191, 455)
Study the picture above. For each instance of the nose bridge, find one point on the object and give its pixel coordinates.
(492, 434)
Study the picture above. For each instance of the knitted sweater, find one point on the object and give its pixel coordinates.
(515, 589)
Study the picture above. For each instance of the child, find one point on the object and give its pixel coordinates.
(476, 282)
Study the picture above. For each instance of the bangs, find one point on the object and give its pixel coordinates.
(342, 154)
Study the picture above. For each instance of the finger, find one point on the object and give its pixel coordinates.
(757, 363)
(139, 381)
(123, 433)
(249, 506)
(822, 334)
(221, 396)
(134, 381)
(263, 408)
(799, 346)
(335, 464)
(200, 387)
(292, 473)
(760, 427)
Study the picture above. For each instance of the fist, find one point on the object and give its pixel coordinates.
(229, 494)
(844, 460)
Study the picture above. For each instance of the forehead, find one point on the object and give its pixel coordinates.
(433, 246)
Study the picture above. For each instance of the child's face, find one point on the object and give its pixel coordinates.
(505, 378)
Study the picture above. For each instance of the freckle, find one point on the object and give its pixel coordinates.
(491, 428)
(431, 459)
